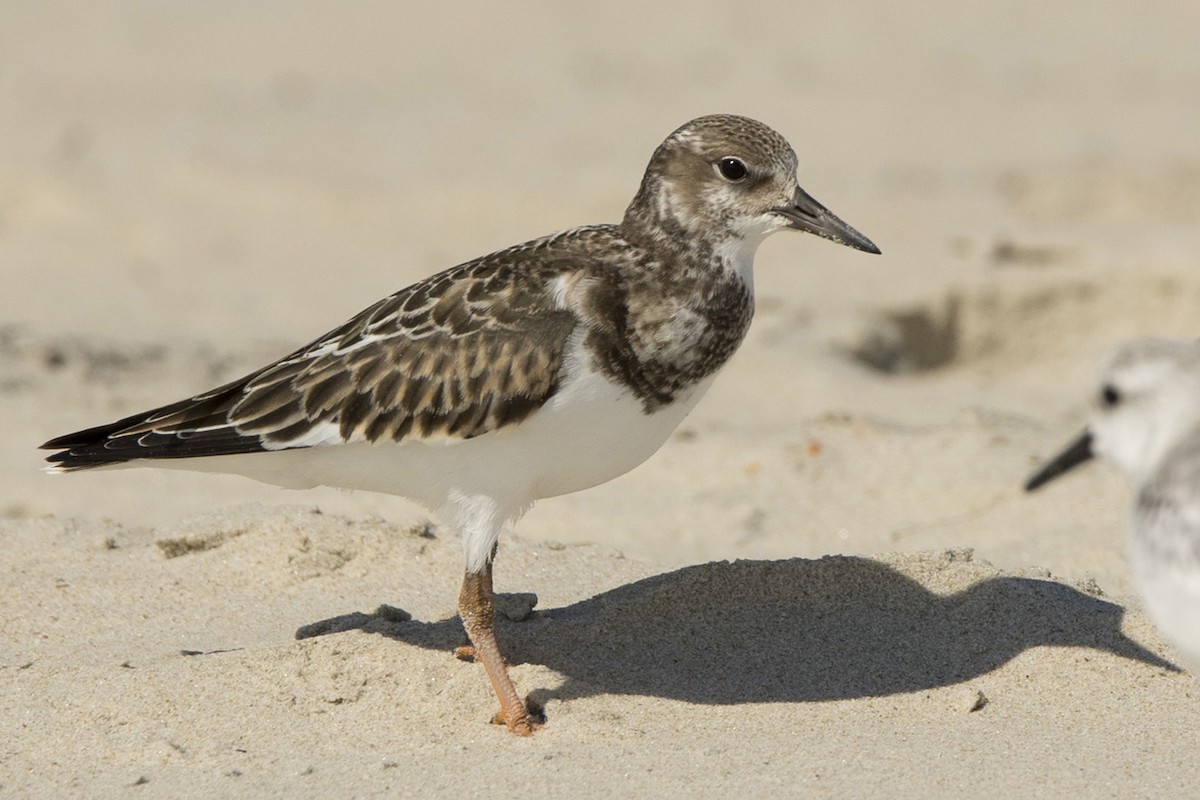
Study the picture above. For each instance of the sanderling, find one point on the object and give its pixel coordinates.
(1147, 422)
(539, 370)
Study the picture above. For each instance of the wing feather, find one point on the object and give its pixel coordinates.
(1167, 509)
(471, 350)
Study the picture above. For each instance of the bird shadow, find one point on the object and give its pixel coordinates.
(794, 630)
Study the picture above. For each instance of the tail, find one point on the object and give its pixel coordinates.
(198, 426)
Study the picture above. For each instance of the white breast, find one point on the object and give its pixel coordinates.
(1171, 591)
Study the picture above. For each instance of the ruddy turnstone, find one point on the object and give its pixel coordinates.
(539, 370)
(1147, 422)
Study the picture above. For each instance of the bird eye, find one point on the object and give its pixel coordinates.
(1109, 396)
(732, 169)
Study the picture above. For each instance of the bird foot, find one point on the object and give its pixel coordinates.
(529, 719)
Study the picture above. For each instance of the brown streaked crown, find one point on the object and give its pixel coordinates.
(683, 191)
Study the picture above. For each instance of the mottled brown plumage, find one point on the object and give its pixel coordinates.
(471, 350)
(542, 369)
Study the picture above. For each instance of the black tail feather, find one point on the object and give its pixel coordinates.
(140, 436)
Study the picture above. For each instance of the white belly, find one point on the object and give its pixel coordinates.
(1171, 592)
(590, 432)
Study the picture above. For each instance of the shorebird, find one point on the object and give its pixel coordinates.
(539, 370)
(1146, 421)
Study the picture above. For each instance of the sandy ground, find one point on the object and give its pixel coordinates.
(828, 583)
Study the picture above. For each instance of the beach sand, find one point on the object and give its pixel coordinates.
(828, 583)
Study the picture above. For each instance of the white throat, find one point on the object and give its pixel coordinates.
(737, 256)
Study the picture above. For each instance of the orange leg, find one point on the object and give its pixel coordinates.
(479, 619)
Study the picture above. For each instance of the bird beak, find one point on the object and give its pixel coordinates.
(806, 214)
(1075, 454)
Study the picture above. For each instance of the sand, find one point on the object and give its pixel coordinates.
(828, 583)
